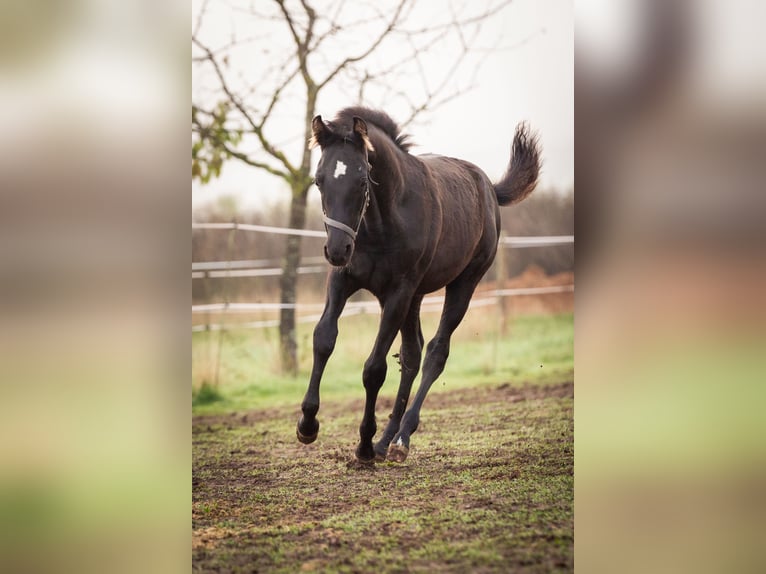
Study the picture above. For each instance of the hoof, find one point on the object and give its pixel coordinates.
(380, 451)
(307, 438)
(365, 461)
(365, 457)
(397, 452)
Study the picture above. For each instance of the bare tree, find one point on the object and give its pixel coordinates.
(296, 53)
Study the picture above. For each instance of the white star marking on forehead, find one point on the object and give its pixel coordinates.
(340, 169)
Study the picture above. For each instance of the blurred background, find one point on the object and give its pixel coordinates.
(94, 448)
(670, 100)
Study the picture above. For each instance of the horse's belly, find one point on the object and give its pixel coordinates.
(462, 245)
(443, 270)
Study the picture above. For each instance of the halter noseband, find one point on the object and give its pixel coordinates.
(342, 226)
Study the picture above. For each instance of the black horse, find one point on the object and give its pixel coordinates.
(402, 226)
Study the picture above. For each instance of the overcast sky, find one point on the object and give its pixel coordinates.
(530, 79)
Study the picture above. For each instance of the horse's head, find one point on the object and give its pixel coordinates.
(343, 180)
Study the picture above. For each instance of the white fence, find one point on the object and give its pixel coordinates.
(505, 241)
(261, 228)
(258, 268)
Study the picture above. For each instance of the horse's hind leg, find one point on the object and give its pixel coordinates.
(409, 359)
(456, 301)
(325, 333)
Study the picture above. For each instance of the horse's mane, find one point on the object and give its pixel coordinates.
(381, 120)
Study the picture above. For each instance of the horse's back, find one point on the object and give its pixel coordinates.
(461, 185)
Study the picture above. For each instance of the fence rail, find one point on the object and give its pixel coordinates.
(271, 272)
(430, 305)
(538, 241)
(433, 300)
(258, 268)
(248, 263)
(509, 241)
(261, 228)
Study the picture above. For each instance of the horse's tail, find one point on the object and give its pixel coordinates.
(521, 176)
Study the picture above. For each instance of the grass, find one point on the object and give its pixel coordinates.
(205, 394)
(488, 485)
(536, 349)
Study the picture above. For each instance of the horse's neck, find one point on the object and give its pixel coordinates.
(378, 212)
(387, 187)
(387, 175)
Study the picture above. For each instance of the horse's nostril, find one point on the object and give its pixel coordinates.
(326, 254)
(348, 249)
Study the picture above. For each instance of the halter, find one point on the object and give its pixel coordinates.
(342, 226)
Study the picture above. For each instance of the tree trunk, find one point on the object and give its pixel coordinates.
(288, 344)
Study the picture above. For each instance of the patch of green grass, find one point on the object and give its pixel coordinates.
(206, 394)
(537, 349)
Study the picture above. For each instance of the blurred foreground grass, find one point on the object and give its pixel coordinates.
(238, 369)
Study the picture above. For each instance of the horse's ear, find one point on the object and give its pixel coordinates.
(360, 127)
(320, 132)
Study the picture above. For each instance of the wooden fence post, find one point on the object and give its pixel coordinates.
(502, 275)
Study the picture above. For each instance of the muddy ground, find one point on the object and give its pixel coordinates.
(487, 487)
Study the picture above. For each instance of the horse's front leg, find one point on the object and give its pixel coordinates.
(339, 289)
(394, 311)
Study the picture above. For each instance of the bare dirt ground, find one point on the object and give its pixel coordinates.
(488, 487)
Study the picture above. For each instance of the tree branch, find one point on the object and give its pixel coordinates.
(431, 100)
(307, 34)
(301, 45)
(255, 163)
(200, 16)
(205, 133)
(334, 27)
(382, 36)
(275, 97)
(256, 128)
(438, 95)
(459, 23)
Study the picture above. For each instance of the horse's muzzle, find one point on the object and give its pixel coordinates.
(338, 253)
